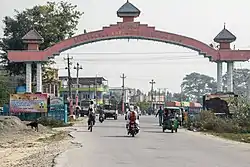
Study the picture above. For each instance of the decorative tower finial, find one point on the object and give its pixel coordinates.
(128, 12)
(224, 38)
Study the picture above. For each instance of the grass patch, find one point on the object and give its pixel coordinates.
(241, 137)
(55, 137)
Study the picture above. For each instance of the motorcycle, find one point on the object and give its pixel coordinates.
(133, 129)
(101, 118)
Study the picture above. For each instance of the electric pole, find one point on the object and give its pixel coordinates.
(152, 82)
(96, 89)
(77, 68)
(123, 91)
(69, 63)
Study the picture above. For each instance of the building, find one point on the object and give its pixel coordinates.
(117, 93)
(51, 82)
(89, 88)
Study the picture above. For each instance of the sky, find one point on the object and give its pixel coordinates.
(141, 60)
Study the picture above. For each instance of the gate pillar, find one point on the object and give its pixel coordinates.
(219, 76)
(39, 85)
(28, 77)
(225, 38)
(230, 67)
(33, 39)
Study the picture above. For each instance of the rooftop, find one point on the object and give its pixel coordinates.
(128, 10)
(33, 35)
(225, 36)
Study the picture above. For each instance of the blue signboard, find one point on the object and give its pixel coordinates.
(57, 108)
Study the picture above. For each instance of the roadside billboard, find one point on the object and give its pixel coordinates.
(28, 103)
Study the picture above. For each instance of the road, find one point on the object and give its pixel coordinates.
(109, 146)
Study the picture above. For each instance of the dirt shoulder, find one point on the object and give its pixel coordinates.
(23, 147)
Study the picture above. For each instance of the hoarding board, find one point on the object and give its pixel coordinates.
(25, 103)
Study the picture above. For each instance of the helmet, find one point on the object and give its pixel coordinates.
(131, 108)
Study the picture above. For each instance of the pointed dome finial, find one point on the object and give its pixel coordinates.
(224, 25)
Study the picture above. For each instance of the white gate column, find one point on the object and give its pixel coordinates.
(219, 76)
(230, 66)
(39, 85)
(28, 77)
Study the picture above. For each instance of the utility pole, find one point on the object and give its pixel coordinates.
(96, 89)
(77, 67)
(152, 82)
(69, 63)
(123, 91)
(159, 94)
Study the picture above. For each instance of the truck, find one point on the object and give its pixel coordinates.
(110, 111)
(220, 103)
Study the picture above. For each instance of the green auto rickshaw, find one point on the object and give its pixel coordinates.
(170, 121)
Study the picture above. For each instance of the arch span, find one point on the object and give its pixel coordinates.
(124, 30)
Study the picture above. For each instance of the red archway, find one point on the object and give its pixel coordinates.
(124, 30)
(128, 29)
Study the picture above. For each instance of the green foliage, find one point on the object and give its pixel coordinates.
(53, 123)
(240, 78)
(207, 121)
(143, 105)
(239, 122)
(5, 90)
(195, 85)
(54, 21)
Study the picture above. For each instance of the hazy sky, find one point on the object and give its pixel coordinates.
(166, 64)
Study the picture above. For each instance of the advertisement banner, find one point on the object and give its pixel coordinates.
(24, 103)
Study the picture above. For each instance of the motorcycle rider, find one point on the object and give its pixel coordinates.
(132, 115)
(91, 113)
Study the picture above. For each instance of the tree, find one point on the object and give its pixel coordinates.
(143, 105)
(5, 90)
(240, 78)
(54, 21)
(180, 97)
(195, 85)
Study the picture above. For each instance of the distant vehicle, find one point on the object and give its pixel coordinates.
(84, 104)
(220, 103)
(110, 111)
(177, 111)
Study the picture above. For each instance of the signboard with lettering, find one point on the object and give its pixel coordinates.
(34, 103)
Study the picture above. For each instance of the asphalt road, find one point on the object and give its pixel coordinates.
(109, 146)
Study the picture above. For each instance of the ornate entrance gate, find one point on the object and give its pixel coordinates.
(129, 29)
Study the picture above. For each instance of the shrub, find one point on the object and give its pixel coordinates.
(207, 121)
(51, 122)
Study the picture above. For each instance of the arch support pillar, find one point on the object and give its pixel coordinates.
(39, 85)
(28, 77)
(230, 67)
(219, 76)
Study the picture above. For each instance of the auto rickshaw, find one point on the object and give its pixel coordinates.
(170, 121)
